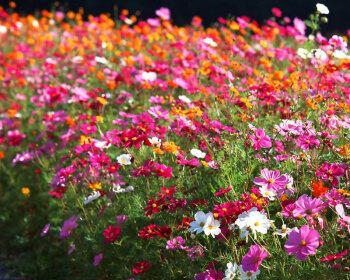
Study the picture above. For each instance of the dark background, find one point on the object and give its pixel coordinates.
(208, 10)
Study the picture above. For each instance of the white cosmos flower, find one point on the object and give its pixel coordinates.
(289, 185)
(212, 226)
(254, 221)
(322, 9)
(95, 195)
(102, 60)
(155, 141)
(124, 159)
(320, 55)
(231, 271)
(340, 54)
(148, 76)
(77, 59)
(249, 275)
(3, 29)
(209, 41)
(269, 193)
(198, 153)
(119, 189)
(284, 231)
(185, 99)
(303, 53)
(200, 219)
(102, 144)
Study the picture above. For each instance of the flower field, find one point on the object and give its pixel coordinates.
(138, 149)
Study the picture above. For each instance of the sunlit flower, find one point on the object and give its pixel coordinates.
(198, 153)
(231, 271)
(212, 226)
(124, 159)
(302, 242)
(322, 9)
(254, 221)
(198, 224)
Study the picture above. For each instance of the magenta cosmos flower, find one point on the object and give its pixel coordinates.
(272, 179)
(252, 260)
(260, 139)
(68, 226)
(302, 242)
(308, 207)
(331, 172)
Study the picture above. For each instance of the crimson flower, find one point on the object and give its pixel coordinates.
(111, 233)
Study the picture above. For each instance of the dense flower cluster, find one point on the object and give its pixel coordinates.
(147, 150)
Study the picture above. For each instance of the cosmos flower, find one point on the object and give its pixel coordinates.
(175, 243)
(231, 271)
(198, 224)
(283, 231)
(141, 267)
(97, 259)
(212, 226)
(302, 242)
(322, 9)
(252, 260)
(163, 13)
(111, 233)
(306, 206)
(260, 139)
(271, 179)
(68, 226)
(254, 221)
(198, 153)
(124, 159)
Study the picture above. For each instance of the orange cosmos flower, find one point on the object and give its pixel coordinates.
(318, 188)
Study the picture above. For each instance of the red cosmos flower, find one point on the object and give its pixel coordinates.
(133, 138)
(153, 230)
(166, 192)
(111, 233)
(223, 191)
(57, 192)
(197, 202)
(15, 137)
(153, 206)
(336, 256)
(141, 267)
(185, 223)
(149, 231)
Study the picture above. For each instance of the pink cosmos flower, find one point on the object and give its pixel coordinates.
(97, 259)
(209, 274)
(331, 172)
(276, 12)
(300, 26)
(45, 230)
(158, 112)
(175, 243)
(68, 226)
(306, 142)
(308, 207)
(260, 139)
(15, 137)
(252, 260)
(88, 129)
(163, 13)
(272, 179)
(302, 242)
